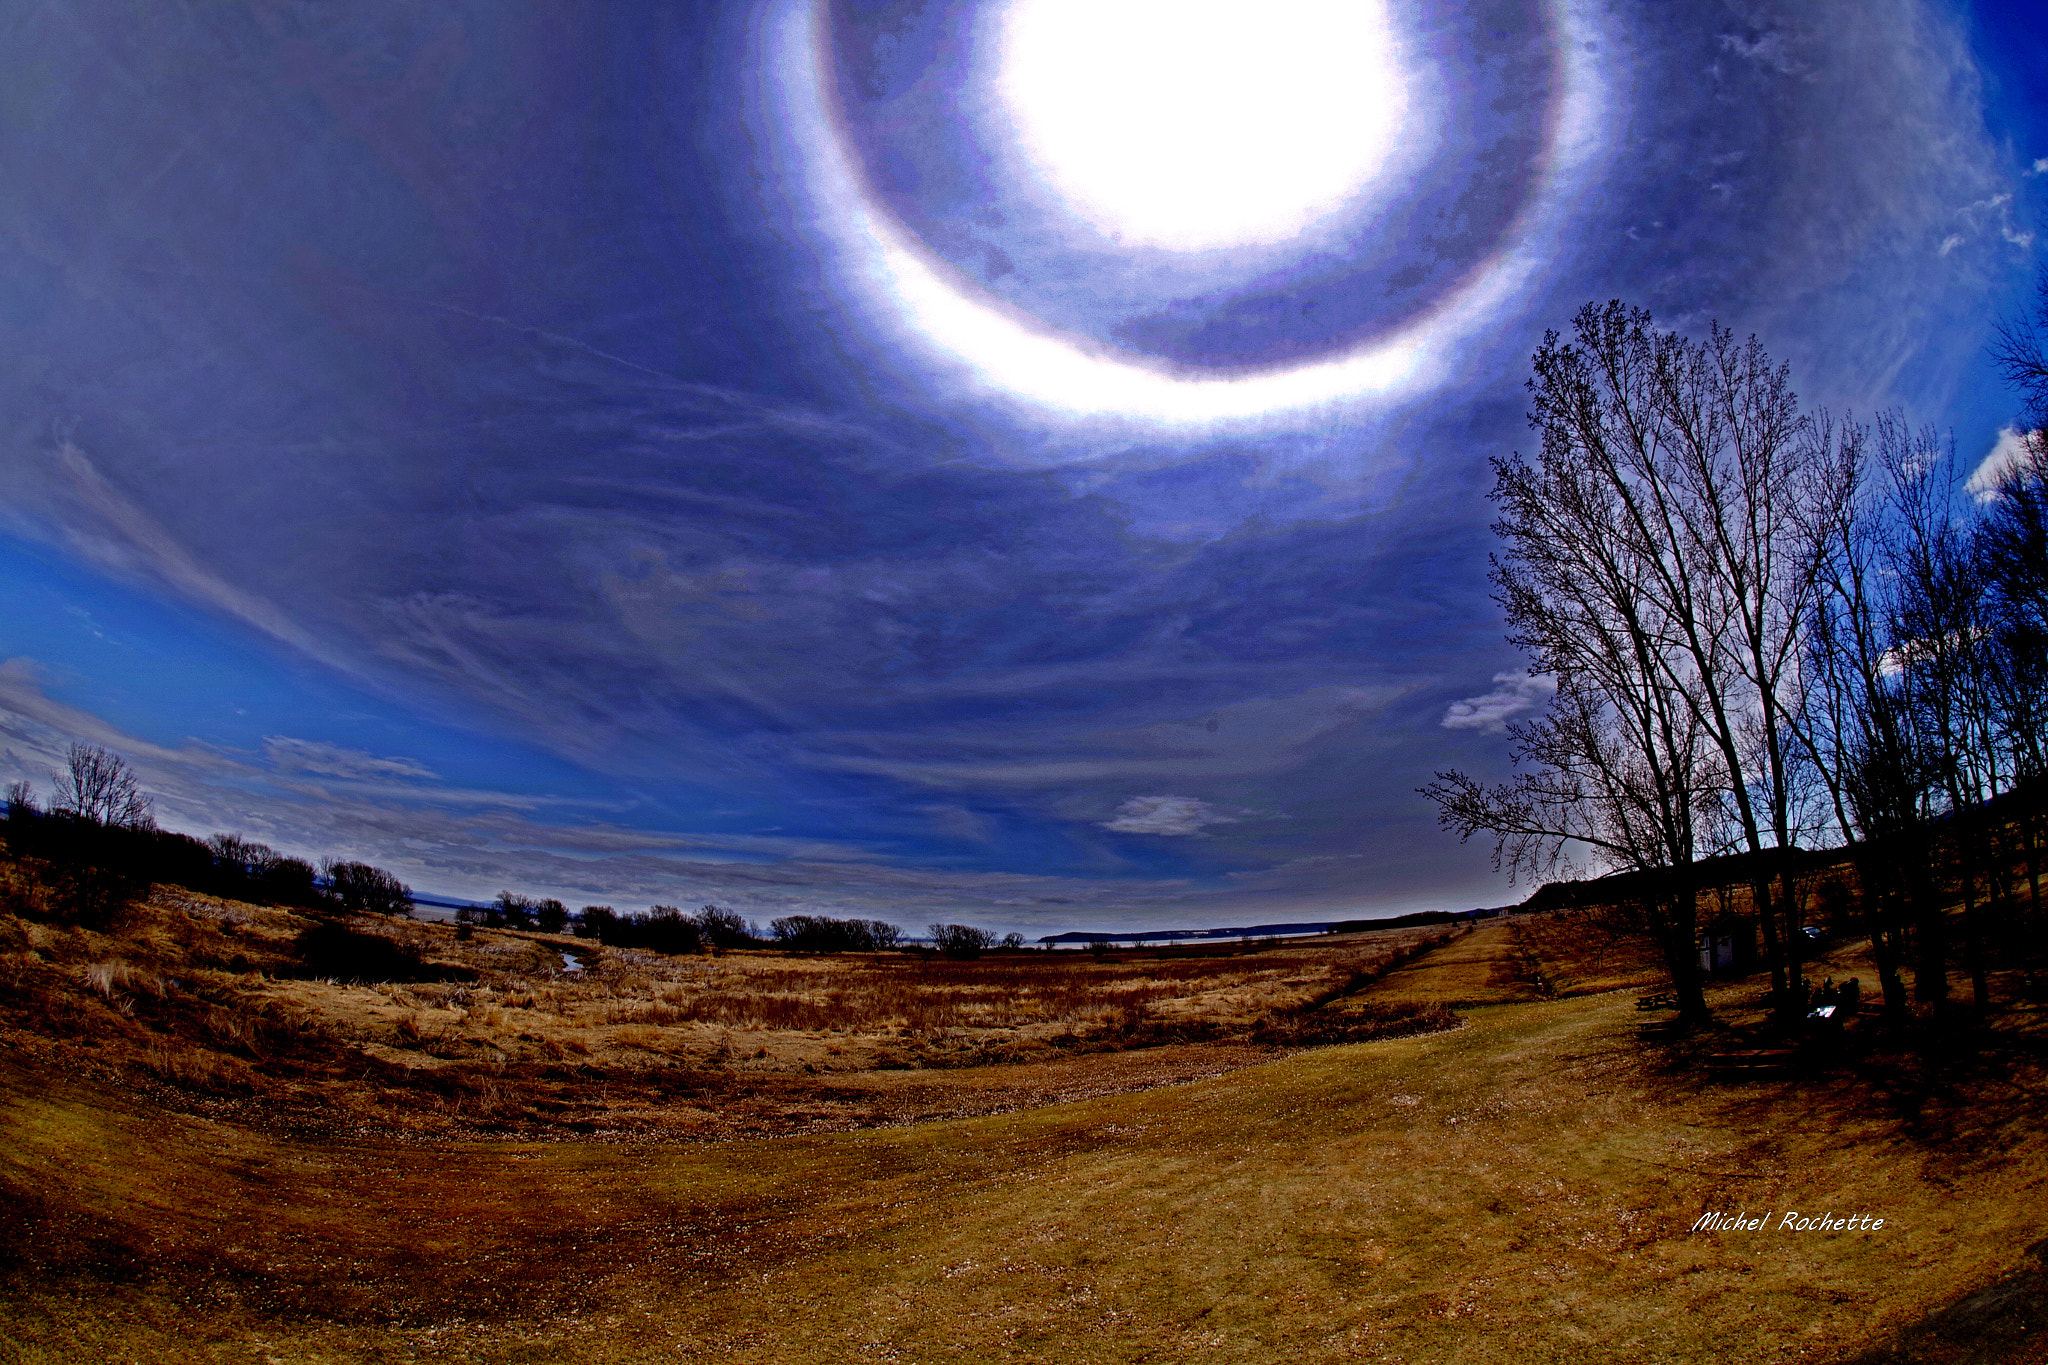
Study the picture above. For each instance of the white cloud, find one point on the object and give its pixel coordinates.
(1174, 815)
(2040, 167)
(1513, 694)
(331, 760)
(133, 541)
(1984, 215)
(2005, 456)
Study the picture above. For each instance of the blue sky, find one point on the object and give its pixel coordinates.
(774, 454)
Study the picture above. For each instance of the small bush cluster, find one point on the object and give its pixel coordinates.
(511, 911)
(361, 889)
(335, 952)
(823, 934)
(1361, 1023)
(962, 941)
(666, 929)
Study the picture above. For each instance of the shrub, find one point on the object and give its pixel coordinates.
(344, 954)
(510, 912)
(363, 889)
(664, 929)
(288, 881)
(824, 934)
(724, 928)
(961, 941)
(93, 894)
(1363, 1023)
(247, 870)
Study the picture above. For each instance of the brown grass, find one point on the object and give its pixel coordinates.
(205, 997)
(766, 1159)
(1520, 1189)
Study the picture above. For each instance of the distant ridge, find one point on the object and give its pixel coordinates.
(443, 903)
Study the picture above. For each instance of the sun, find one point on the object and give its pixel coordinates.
(954, 334)
(1190, 125)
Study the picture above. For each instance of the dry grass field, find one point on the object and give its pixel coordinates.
(1137, 1158)
(204, 1003)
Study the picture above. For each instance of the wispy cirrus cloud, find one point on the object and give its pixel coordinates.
(315, 756)
(1177, 816)
(1514, 694)
(1257, 737)
(2012, 447)
(470, 848)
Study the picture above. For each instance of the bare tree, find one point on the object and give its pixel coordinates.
(1659, 565)
(99, 786)
(1858, 725)
(963, 941)
(725, 928)
(363, 889)
(2021, 352)
(1945, 643)
(247, 856)
(1619, 766)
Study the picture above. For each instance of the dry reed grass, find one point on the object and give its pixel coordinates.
(200, 1150)
(184, 978)
(1518, 1190)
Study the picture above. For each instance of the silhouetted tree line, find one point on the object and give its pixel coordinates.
(1771, 629)
(97, 847)
(963, 941)
(824, 934)
(510, 911)
(667, 929)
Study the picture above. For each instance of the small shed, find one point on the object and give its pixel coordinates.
(1727, 944)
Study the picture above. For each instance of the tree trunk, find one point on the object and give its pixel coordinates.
(1774, 948)
(1973, 948)
(1675, 910)
(1877, 898)
(1930, 927)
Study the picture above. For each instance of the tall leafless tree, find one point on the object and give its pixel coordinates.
(98, 785)
(1659, 565)
(1861, 720)
(1735, 495)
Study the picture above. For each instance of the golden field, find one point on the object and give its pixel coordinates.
(1143, 1157)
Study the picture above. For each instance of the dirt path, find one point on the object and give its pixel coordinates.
(1479, 968)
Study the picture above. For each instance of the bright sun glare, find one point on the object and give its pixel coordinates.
(1195, 124)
